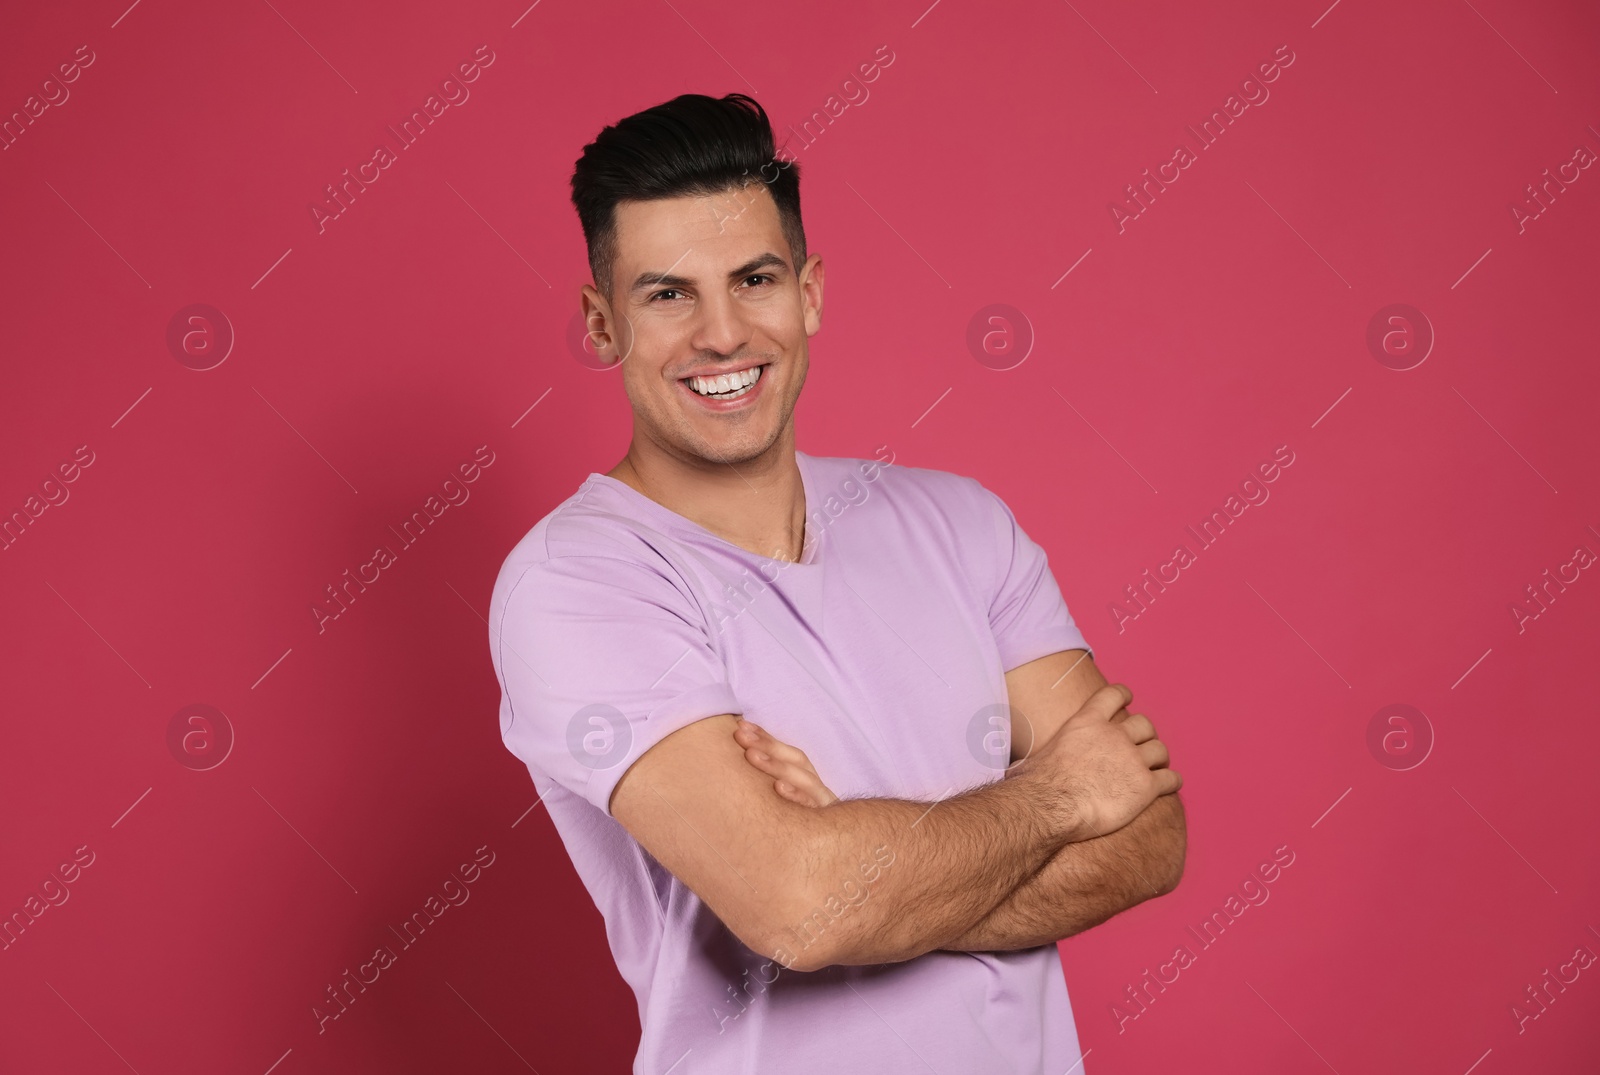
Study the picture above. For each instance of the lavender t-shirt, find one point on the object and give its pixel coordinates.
(881, 654)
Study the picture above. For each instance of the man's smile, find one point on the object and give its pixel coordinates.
(726, 391)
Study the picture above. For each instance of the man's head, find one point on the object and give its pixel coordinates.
(700, 269)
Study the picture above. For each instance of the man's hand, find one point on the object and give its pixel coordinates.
(1118, 763)
(1088, 880)
(793, 775)
(1113, 767)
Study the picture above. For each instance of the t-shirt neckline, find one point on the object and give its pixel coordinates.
(810, 548)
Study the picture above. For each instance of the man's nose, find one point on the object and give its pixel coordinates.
(722, 328)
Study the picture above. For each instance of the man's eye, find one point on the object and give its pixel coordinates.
(758, 276)
(664, 291)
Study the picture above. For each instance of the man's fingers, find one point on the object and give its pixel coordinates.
(752, 735)
(1153, 753)
(1104, 703)
(1167, 781)
(1139, 728)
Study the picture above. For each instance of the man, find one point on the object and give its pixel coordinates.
(890, 627)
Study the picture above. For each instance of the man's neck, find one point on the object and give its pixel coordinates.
(758, 505)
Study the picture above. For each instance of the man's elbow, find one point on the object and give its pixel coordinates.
(1176, 849)
(832, 930)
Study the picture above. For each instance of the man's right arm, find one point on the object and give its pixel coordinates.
(764, 865)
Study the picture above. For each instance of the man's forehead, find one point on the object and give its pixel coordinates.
(722, 224)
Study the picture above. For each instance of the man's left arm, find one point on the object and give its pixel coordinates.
(1087, 882)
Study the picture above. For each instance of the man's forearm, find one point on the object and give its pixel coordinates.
(953, 861)
(1087, 882)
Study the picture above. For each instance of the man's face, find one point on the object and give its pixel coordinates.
(705, 287)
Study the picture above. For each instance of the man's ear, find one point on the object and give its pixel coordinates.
(605, 334)
(811, 275)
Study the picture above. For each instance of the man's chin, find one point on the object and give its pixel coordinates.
(732, 450)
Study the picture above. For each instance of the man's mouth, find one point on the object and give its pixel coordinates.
(727, 385)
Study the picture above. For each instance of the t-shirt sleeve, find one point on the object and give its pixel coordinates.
(1027, 614)
(599, 659)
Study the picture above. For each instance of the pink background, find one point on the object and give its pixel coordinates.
(373, 358)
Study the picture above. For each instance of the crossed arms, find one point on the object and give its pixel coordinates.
(1085, 825)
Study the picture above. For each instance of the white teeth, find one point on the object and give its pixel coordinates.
(727, 385)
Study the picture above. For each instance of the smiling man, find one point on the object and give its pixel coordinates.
(931, 782)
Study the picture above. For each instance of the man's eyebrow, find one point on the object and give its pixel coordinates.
(767, 260)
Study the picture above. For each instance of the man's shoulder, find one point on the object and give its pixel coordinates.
(587, 532)
(958, 496)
